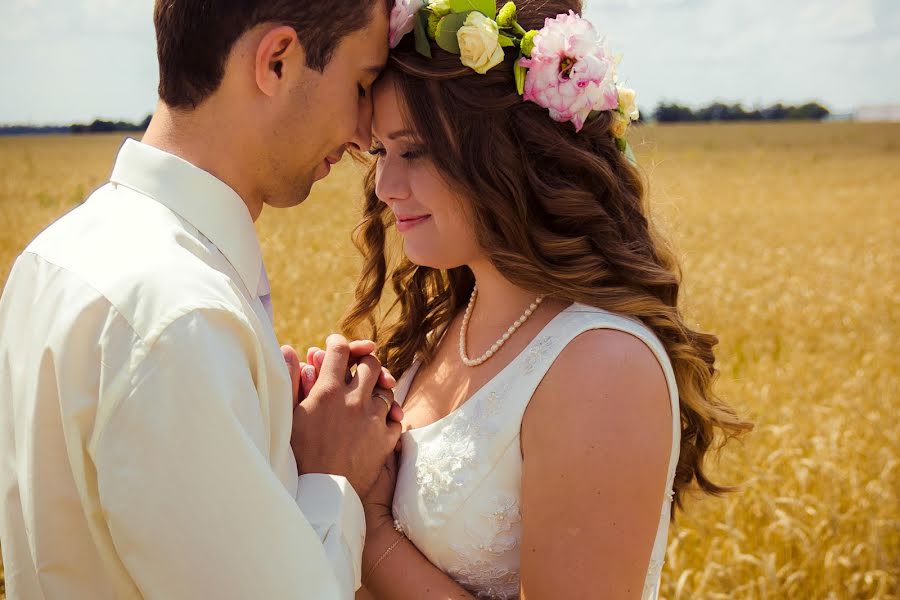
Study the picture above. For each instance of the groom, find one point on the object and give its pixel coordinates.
(146, 432)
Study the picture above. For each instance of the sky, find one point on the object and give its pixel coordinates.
(64, 61)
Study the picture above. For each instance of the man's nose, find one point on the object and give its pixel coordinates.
(362, 135)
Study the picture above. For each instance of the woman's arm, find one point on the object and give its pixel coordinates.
(392, 567)
(596, 439)
(405, 573)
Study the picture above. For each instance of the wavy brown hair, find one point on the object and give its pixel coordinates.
(559, 213)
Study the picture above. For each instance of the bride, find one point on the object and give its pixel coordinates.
(556, 402)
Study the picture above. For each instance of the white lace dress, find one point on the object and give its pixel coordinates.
(458, 488)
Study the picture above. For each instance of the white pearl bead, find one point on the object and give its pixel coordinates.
(499, 343)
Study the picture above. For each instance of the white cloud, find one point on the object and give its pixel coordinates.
(76, 60)
(755, 51)
(65, 60)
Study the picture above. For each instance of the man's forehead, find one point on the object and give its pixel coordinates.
(373, 63)
(371, 45)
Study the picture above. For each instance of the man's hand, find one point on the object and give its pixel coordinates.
(340, 427)
(358, 349)
(304, 374)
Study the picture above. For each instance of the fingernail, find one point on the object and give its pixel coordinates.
(335, 338)
(308, 373)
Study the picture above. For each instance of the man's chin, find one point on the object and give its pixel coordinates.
(322, 170)
(302, 189)
(295, 197)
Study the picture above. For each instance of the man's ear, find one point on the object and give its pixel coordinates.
(278, 47)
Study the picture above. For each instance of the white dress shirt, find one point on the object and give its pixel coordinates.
(145, 408)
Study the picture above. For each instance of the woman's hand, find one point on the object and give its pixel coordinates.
(378, 503)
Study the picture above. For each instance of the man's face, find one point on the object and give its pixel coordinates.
(325, 114)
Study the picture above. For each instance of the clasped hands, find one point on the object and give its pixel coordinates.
(345, 420)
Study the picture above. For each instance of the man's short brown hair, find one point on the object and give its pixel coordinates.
(195, 37)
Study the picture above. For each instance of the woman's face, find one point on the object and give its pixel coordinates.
(430, 216)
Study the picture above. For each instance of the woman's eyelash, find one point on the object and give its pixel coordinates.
(413, 154)
(408, 155)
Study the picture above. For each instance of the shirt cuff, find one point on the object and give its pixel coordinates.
(334, 510)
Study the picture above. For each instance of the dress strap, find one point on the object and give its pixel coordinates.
(537, 358)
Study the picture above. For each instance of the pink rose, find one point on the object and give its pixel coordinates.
(403, 19)
(571, 72)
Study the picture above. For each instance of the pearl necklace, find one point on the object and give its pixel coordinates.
(470, 362)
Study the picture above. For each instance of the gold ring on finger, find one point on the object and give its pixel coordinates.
(387, 401)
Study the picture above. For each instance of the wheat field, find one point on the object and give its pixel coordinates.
(788, 236)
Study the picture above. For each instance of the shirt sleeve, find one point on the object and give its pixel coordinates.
(334, 510)
(193, 506)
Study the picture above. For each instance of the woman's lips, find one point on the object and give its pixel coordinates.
(405, 223)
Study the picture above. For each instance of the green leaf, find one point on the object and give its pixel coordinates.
(621, 144)
(505, 41)
(520, 73)
(485, 7)
(446, 31)
(422, 45)
(629, 154)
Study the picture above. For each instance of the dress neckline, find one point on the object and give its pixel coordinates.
(474, 396)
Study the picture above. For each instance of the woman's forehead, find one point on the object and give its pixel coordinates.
(388, 120)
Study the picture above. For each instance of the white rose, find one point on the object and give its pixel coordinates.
(626, 104)
(619, 124)
(440, 7)
(479, 43)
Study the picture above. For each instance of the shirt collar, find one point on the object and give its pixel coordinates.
(198, 197)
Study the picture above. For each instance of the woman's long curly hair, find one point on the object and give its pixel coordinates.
(559, 213)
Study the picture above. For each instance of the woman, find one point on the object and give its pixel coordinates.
(555, 401)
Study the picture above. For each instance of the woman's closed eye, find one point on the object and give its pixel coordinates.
(411, 154)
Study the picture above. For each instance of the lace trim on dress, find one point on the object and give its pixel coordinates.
(493, 535)
(443, 464)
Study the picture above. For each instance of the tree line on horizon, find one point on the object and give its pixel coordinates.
(719, 111)
(98, 126)
(665, 112)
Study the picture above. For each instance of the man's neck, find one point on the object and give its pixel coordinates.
(199, 139)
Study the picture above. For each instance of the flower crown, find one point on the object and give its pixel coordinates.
(566, 67)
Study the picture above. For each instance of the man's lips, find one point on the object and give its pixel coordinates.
(329, 161)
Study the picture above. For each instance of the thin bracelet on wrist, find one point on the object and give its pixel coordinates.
(384, 555)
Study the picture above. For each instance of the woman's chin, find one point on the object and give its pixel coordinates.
(422, 259)
(429, 257)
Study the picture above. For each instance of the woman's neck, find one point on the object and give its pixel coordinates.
(500, 302)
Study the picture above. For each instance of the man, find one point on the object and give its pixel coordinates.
(145, 405)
